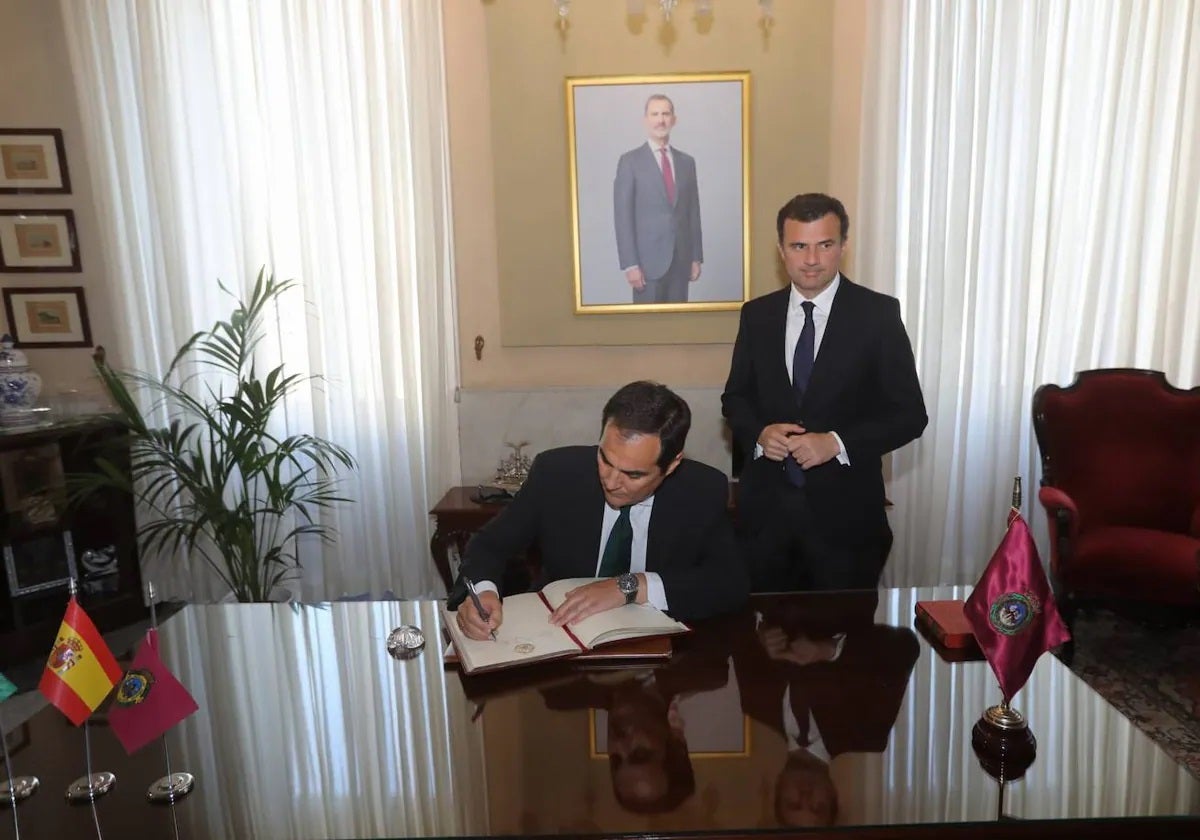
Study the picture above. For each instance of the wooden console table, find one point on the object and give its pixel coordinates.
(458, 518)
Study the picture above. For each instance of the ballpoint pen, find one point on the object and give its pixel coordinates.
(484, 614)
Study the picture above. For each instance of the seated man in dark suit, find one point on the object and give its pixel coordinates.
(830, 681)
(650, 525)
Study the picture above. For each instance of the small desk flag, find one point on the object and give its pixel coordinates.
(1012, 610)
(7, 689)
(149, 700)
(81, 670)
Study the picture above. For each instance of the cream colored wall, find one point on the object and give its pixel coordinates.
(600, 42)
(38, 93)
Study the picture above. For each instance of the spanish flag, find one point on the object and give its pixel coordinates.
(81, 670)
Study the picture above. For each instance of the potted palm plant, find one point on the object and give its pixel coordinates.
(217, 481)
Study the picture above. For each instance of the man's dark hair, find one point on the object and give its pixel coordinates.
(657, 96)
(649, 408)
(681, 779)
(808, 208)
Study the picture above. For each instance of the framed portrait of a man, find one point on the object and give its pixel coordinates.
(660, 191)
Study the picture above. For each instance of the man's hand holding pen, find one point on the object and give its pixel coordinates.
(473, 624)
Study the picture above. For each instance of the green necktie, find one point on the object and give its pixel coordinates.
(616, 551)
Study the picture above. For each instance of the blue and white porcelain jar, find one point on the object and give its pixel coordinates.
(19, 386)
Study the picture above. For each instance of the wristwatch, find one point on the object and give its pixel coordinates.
(628, 584)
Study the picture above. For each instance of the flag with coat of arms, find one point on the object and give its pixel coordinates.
(81, 670)
(1012, 610)
(150, 700)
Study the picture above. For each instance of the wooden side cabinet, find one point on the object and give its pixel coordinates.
(45, 542)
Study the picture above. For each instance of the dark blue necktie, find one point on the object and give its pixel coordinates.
(802, 365)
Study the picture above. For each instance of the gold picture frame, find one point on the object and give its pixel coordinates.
(33, 160)
(680, 228)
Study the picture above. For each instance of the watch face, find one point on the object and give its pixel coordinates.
(627, 583)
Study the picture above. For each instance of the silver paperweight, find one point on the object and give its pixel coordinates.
(16, 790)
(171, 788)
(87, 788)
(405, 642)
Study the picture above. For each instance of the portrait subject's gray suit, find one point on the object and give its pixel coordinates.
(662, 239)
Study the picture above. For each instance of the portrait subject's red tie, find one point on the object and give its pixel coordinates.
(668, 175)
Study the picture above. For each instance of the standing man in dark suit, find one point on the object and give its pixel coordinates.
(822, 385)
(821, 673)
(656, 212)
(648, 524)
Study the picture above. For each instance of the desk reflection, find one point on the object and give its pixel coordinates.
(821, 710)
(307, 728)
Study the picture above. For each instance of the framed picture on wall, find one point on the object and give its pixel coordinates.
(52, 317)
(38, 240)
(32, 160)
(39, 562)
(660, 198)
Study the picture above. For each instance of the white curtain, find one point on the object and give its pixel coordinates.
(1029, 190)
(308, 136)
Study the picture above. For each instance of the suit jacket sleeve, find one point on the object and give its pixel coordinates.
(693, 219)
(898, 415)
(623, 214)
(740, 400)
(509, 533)
(713, 580)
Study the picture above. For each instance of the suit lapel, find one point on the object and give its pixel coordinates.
(776, 326)
(838, 338)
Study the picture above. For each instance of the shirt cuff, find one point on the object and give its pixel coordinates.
(486, 586)
(842, 457)
(656, 594)
(839, 642)
(758, 451)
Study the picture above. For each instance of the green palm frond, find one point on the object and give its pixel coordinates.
(215, 481)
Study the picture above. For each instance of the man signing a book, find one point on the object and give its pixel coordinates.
(650, 525)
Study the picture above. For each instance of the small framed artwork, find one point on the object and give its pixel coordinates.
(55, 317)
(32, 160)
(45, 561)
(38, 240)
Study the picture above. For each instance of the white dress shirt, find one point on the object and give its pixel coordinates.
(639, 520)
(822, 306)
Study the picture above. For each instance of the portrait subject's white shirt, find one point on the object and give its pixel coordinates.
(658, 156)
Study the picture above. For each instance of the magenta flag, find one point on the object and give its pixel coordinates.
(1012, 610)
(149, 700)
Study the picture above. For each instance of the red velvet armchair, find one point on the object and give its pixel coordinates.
(1121, 486)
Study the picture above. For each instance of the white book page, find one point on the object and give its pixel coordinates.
(525, 634)
(625, 622)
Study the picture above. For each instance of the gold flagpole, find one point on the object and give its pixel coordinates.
(1001, 737)
(15, 788)
(173, 786)
(92, 786)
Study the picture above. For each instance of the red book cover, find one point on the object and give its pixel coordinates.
(947, 623)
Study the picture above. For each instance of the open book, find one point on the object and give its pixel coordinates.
(527, 636)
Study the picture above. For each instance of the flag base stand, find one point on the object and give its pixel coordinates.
(89, 788)
(17, 790)
(170, 789)
(1004, 743)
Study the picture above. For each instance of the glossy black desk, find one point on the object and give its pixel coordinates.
(307, 728)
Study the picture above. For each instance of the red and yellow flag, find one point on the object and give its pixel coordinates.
(81, 670)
